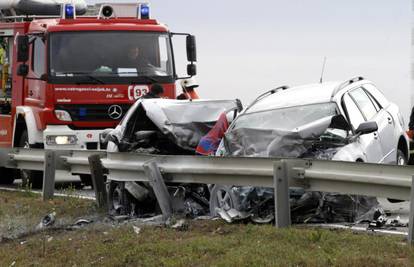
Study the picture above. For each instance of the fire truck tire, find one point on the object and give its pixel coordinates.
(7, 176)
(29, 177)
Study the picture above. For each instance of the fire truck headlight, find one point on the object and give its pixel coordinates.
(63, 115)
(61, 140)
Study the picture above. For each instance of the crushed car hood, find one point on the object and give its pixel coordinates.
(274, 142)
(184, 122)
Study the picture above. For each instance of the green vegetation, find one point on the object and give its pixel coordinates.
(203, 243)
(21, 212)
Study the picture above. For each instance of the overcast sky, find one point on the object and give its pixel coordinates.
(245, 48)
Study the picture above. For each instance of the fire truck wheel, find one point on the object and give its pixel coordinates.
(31, 178)
(8, 176)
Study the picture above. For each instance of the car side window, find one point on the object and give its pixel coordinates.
(374, 101)
(364, 103)
(377, 95)
(354, 114)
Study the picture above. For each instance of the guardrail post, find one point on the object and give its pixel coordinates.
(411, 218)
(281, 184)
(49, 175)
(98, 180)
(160, 189)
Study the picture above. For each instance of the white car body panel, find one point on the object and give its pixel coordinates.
(378, 147)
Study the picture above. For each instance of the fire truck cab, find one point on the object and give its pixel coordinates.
(67, 78)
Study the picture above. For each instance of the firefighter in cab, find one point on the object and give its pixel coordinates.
(188, 86)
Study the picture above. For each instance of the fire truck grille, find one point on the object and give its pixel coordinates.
(111, 112)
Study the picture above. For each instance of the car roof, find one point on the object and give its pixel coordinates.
(297, 96)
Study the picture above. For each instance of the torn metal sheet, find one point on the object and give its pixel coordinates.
(299, 142)
(314, 131)
(169, 126)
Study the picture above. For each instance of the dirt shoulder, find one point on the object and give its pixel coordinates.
(199, 243)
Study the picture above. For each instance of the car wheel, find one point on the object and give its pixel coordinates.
(8, 176)
(30, 177)
(401, 160)
(222, 197)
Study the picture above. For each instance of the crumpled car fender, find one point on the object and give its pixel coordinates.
(351, 152)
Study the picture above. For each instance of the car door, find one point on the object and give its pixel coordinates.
(372, 111)
(369, 143)
(386, 125)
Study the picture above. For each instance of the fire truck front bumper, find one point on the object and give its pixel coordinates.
(63, 138)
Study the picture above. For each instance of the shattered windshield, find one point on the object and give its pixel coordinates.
(107, 56)
(286, 118)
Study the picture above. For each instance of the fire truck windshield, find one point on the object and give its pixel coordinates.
(110, 57)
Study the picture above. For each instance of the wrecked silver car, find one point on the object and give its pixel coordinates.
(349, 121)
(167, 127)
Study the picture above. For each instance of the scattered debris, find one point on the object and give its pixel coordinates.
(47, 221)
(157, 126)
(232, 215)
(156, 219)
(80, 223)
(180, 225)
(193, 209)
(137, 230)
(397, 222)
(379, 219)
(207, 217)
(121, 218)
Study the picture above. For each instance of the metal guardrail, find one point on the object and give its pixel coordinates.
(341, 177)
(388, 181)
(72, 161)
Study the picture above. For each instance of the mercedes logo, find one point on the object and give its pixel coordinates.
(115, 112)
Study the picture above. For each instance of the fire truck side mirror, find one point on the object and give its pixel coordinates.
(191, 48)
(22, 48)
(191, 69)
(23, 70)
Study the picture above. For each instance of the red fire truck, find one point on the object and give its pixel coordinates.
(65, 79)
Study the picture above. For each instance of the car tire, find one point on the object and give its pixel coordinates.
(30, 177)
(401, 160)
(7, 176)
(223, 197)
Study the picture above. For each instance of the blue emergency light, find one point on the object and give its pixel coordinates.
(82, 112)
(144, 11)
(69, 11)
